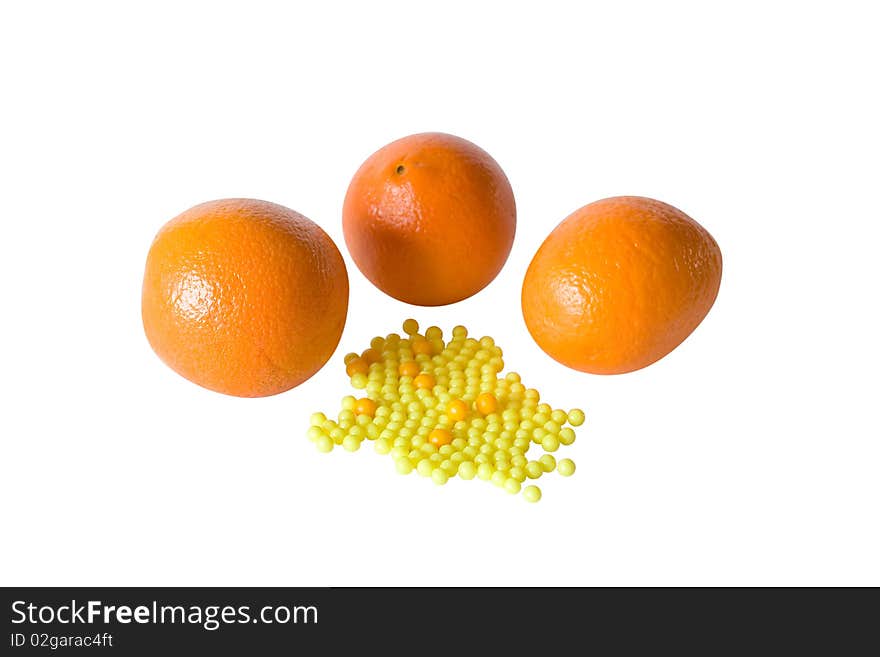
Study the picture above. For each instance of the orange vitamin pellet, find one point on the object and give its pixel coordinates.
(425, 381)
(422, 347)
(357, 366)
(487, 403)
(365, 406)
(439, 437)
(409, 368)
(457, 410)
(371, 356)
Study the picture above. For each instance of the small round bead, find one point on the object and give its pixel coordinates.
(467, 470)
(531, 493)
(457, 410)
(534, 469)
(512, 486)
(421, 347)
(314, 433)
(371, 356)
(559, 417)
(548, 463)
(351, 443)
(566, 435)
(439, 476)
(365, 406)
(317, 419)
(498, 478)
(484, 471)
(550, 442)
(357, 366)
(324, 444)
(359, 381)
(409, 368)
(576, 417)
(424, 381)
(551, 427)
(425, 467)
(410, 327)
(487, 403)
(404, 465)
(565, 467)
(440, 437)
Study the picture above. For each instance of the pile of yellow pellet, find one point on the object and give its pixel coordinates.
(443, 410)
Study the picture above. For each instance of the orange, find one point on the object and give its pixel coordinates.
(619, 284)
(244, 297)
(429, 219)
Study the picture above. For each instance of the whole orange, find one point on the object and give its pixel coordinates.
(619, 284)
(429, 219)
(244, 297)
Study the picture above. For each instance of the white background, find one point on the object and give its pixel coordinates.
(750, 455)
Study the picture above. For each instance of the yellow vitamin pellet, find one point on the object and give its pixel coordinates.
(467, 470)
(410, 326)
(550, 442)
(565, 467)
(576, 417)
(511, 485)
(351, 443)
(548, 463)
(534, 469)
(566, 436)
(532, 493)
(439, 476)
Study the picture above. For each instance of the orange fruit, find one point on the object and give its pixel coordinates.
(619, 284)
(244, 297)
(429, 219)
